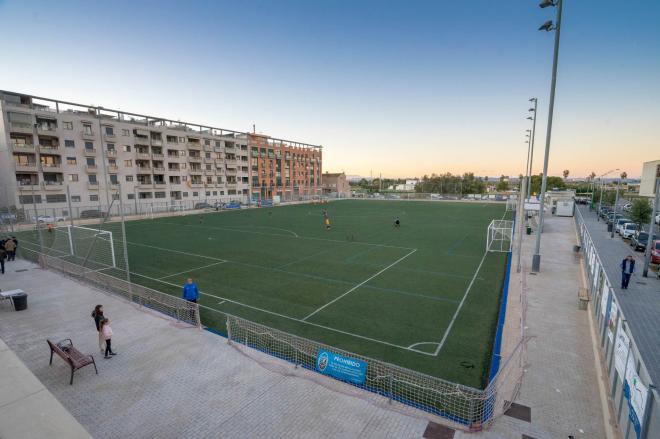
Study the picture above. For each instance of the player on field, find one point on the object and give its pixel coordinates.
(397, 222)
(326, 219)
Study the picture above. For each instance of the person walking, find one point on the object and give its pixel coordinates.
(97, 315)
(3, 256)
(627, 269)
(13, 257)
(106, 331)
(10, 248)
(190, 291)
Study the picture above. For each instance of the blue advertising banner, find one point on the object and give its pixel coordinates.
(340, 367)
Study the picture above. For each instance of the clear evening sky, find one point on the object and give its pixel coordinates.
(399, 88)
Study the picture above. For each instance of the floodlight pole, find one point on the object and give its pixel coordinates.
(531, 154)
(616, 203)
(649, 243)
(536, 259)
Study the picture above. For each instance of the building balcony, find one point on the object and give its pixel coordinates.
(195, 171)
(160, 184)
(144, 185)
(29, 187)
(91, 168)
(27, 167)
(194, 145)
(51, 167)
(209, 171)
(46, 129)
(194, 159)
(158, 169)
(48, 149)
(231, 171)
(92, 186)
(53, 185)
(231, 161)
(111, 152)
(143, 155)
(157, 156)
(88, 135)
(113, 168)
(156, 142)
(23, 147)
(89, 151)
(143, 169)
(175, 170)
(196, 185)
(141, 141)
(208, 148)
(109, 137)
(20, 127)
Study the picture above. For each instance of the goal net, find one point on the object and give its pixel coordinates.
(84, 246)
(500, 236)
(511, 203)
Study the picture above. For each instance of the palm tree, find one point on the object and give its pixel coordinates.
(624, 175)
(592, 176)
(566, 172)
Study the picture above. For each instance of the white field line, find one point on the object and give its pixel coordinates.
(360, 284)
(224, 299)
(193, 269)
(286, 236)
(175, 251)
(460, 305)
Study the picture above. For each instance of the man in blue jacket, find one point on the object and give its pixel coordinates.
(627, 269)
(190, 291)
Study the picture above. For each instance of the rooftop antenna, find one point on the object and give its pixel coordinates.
(254, 129)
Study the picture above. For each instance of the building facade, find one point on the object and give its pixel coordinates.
(48, 147)
(650, 173)
(285, 169)
(336, 185)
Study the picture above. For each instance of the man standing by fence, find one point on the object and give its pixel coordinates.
(190, 291)
(627, 269)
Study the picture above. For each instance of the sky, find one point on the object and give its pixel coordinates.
(398, 88)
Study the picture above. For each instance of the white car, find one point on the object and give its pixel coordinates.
(627, 207)
(628, 230)
(657, 220)
(620, 223)
(50, 219)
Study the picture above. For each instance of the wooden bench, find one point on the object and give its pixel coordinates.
(75, 359)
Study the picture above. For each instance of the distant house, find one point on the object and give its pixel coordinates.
(408, 186)
(650, 173)
(335, 184)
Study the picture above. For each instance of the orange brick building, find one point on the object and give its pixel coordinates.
(290, 170)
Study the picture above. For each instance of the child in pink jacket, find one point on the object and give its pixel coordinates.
(106, 333)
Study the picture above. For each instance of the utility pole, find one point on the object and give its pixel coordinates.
(531, 153)
(647, 253)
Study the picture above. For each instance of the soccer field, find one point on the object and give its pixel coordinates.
(424, 296)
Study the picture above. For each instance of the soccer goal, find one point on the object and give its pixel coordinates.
(511, 203)
(500, 236)
(92, 248)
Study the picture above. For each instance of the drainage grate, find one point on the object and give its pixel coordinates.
(21, 270)
(640, 283)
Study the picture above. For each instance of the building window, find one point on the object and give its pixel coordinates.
(75, 198)
(113, 179)
(110, 131)
(110, 146)
(184, 194)
(69, 143)
(70, 160)
(207, 155)
(208, 193)
(56, 198)
(87, 129)
(73, 177)
(128, 163)
(129, 178)
(67, 125)
(131, 196)
(125, 132)
(89, 145)
(182, 140)
(93, 198)
(27, 199)
(195, 194)
(127, 148)
(91, 161)
(159, 194)
(92, 178)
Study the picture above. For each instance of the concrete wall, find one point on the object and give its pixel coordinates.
(650, 171)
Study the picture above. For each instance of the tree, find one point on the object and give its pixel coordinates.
(624, 175)
(641, 211)
(502, 186)
(552, 183)
(566, 172)
(592, 176)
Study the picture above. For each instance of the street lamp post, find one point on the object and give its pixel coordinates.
(600, 200)
(616, 203)
(547, 26)
(531, 153)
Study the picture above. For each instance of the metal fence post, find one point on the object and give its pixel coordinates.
(391, 386)
(228, 330)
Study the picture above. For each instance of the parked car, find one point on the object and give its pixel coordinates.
(629, 229)
(92, 213)
(50, 219)
(618, 224)
(655, 252)
(639, 241)
(604, 211)
(203, 206)
(612, 217)
(627, 207)
(9, 217)
(657, 219)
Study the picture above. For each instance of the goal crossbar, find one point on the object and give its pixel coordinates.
(97, 233)
(500, 236)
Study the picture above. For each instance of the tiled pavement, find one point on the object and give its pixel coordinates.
(172, 381)
(641, 299)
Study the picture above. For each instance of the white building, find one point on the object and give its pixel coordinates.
(650, 173)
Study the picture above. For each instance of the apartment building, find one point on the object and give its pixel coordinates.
(48, 145)
(285, 169)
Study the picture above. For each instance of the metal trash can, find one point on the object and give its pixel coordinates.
(577, 248)
(20, 301)
(529, 230)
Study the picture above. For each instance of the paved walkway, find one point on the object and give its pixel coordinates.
(174, 381)
(642, 298)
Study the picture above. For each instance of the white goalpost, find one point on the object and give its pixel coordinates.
(500, 236)
(85, 245)
(511, 204)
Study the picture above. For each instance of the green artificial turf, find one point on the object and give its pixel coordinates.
(277, 266)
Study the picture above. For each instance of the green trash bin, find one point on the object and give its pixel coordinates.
(529, 230)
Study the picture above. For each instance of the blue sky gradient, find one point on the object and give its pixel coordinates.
(398, 88)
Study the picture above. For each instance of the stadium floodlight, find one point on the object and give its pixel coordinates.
(530, 118)
(531, 110)
(547, 26)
